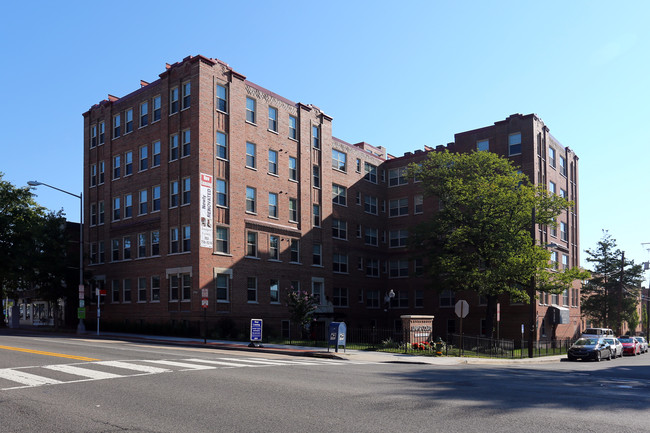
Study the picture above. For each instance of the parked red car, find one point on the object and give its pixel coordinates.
(630, 346)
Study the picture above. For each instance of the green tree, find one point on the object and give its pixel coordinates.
(612, 294)
(481, 238)
(301, 305)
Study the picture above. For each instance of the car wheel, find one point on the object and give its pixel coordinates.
(597, 357)
(609, 357)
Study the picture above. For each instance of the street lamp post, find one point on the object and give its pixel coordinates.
(81, 328)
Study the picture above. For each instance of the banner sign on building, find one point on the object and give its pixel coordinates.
(206, 211)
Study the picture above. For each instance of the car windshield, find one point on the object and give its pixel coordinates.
(609, 340)
(625, 340)
(586, 342)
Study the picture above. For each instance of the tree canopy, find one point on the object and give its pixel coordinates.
(611, 296)
(481, 238)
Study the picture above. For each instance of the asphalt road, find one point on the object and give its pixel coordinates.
(67, 384)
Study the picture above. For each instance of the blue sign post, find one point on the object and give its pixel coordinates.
(256, 333)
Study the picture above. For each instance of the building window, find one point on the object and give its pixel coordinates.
(563, 193)
(100, 220)
(156, 154)
(222, 98)
(251, 244)
(447, 298)
(101, 252)
(187, 193)
(483, 145)
(401, 299)
(250, 110)
(339, 194)
(173, 193)
(565, 261)
(273, 162)
(93, 175)
(293, 210)
(144, 114)
(101, 173)
(117, 167)
(115, 250)
(142, 289)
(514, 144)
(551, 187)
(187, 95)
(339, 229)
(371, 237)
(316, 176)
(295, 251)
(128, 124)
(157, 104)
(293, 168)
(173, 287)
(418, 266)
(251, 198)
(117, 126)
(315, 137)
(372, 267)
(155, 199)
(397, 176)
(340, 263)
(398, 238)
(187, 287)
(317, 255)
(273, 119)
(128, 163)
(274, 247)
(551, 157)
(93, 214)
(316, 215)
(142, 245)
(293, 128)
(221, 286)
(358, 198)
(563, 166)
(372, 298)
(144, 158)
(128, 206)
(554, 258)
(339, 160)
(251, 289)
(93, 136)
(222, 240)
(186, 143)
(419, 298)
(102, 132)
(418, 204)
(93, 253)
(155, 243)
(173, 147)
(564, 234)
(187, 239)
(173, 101)
(250, 155)
(358, 230)
(222, 145)
(274, 291)
(340, 297)
(370, 204)
(318, 290)
(398, 268)
(115, 291)
(173, 240)
(371, 172)
(116, 208)
(553, 228)
(273, 205)
(221, 189)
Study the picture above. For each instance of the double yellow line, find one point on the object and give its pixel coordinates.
(58, 355)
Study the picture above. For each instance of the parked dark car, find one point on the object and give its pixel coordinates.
(590, 348)
(630, 346)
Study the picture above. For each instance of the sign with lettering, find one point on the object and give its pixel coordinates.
(206, 212)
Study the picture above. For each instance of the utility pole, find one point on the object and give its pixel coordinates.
(620, 295)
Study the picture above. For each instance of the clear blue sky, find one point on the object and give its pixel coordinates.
(396, 74)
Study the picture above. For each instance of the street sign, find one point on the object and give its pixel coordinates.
(462, 308)
(256, 329)
(498, 312)
(204, 293)
(81, 313)
(204, 302)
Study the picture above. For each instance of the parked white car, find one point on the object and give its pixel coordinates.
(616, 346)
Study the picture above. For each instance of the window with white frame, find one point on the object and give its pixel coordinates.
(93, 214)
(128, 163)
(370, 204)
(551, 187)
(372, 298)
(565, 261)
(117, 167)
(144, 158)
(142, 289)
(173, 101)
(222, 145)
(273, 162)
(294, 249)
(250, 110)
(562, 166)
(128, 205)
(222, 240)
(339, 160)
(293, 128)
(317, 255)
(315, 137)
(173, 194)
(251, 199)
(273, 119)
(187, 245)
(251, 244)
(419, 298)
(400, 300)
(155, 198)
(551, 156)
(157, 108)
(250, 154)
(117, 205)
(144, 114)
(173, 147)
(447, 298)
(155, 161)
(251, 289)
(187, 287)
(483, 145)
(339, 194)
(316, 215)
(155, 243)
(222, 98)
(102, 132)
(418, 204)
(318, 290)
(187, 94)
(101, 252)
(100, 174)
(174, 284)
(397, 176)
(398, 268)
(371, 172)
(142, 245)
(221, 191)
(221, 287)
(293, 210)
(398, 207)
(115, 291)
(93, 136)
(117, 126)
(93, 175)
(340, 297)
(128, 124)
(316, 176)
(372, 268)
(174, 243)
(274, 291)
(186, 143)
(514, 144)
(398, 238)
(371, 236)
(115, 250)
(143, 207)
(339, 229)
(274, 247)
(126, 248)
(187, 193)
(340, 263)
(554, 260)
(564, 234)
(100, 217)
(293, 168)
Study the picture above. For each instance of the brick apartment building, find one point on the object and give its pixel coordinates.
(205, 180)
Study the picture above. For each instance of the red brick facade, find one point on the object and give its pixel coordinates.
(269, 162)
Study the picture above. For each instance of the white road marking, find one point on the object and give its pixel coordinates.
(136, 367)
(184, 365)
(84, 372)
(223, 363)
(26, 378)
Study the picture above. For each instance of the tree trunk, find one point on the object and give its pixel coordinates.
(490, 311)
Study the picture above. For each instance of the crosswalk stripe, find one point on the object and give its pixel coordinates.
(79, 371)
(223, 363)
(26, 378)
(282, 362)
(182, 365)
(136, 367)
